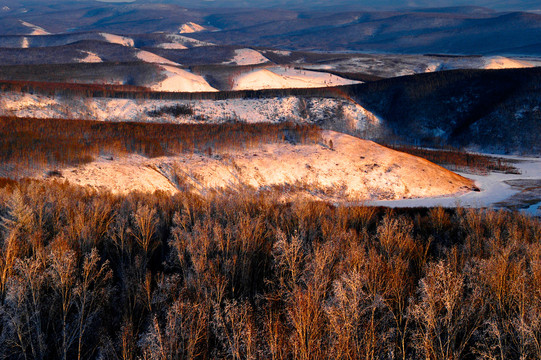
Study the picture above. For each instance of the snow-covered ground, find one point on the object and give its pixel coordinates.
(172, 46)
(500, 62)
(190, 27)
(277, 109)
(353, 169)
(247, 57)
(279, 77)
(280, 52)
(131, 173)
(495, 191)
(182, 81)
(90, 57)
(117, 39)
(152, 58)
(36, 30)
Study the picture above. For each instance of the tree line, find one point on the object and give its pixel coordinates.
(27, 143)
(140, 92)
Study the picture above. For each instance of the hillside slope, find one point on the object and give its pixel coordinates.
(352, 170)
(488, 110)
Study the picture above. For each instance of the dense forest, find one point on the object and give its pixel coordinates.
(86, 274)
(39, 144)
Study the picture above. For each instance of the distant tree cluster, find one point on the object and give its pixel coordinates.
(140, 92)
(86, 274)
(41, 143)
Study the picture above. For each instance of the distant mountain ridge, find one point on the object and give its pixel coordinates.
(452, 30)
(502, 5)
(394, 32)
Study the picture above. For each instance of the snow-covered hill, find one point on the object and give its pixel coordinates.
(500, 62)
(90, 57)
(190, 27)
(285, 77)
(117, 39)
(152, 58)
(35, 30)
(336, 113)
(352, 170)
(247, 57)
(181, 81)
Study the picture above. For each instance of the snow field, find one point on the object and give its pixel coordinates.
(247, 57)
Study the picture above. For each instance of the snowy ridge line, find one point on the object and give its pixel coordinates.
(300, 110)
(285, 78)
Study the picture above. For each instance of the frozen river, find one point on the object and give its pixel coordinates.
(522, 191)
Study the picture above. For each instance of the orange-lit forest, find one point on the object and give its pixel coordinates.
(86, 274)
(42, 143)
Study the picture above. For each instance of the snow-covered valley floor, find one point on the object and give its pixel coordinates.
(498, 190)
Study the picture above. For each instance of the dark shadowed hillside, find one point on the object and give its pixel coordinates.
(450, 32)
(76, 52)
(494, 110)
(133, 73)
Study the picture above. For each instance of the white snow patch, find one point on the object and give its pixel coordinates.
(36, 30)
(117, 39)
(495, 62)
(179, 80)
(26, 105)
(149, 57)
(283, 78)
(432, 67)
(499, 62)
(281, 52)
(247, 57)
(90, 57)
(5, 8)
(190, 27)
(173, 46)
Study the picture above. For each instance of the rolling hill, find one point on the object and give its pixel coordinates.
(452, 30)
(352, 170)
